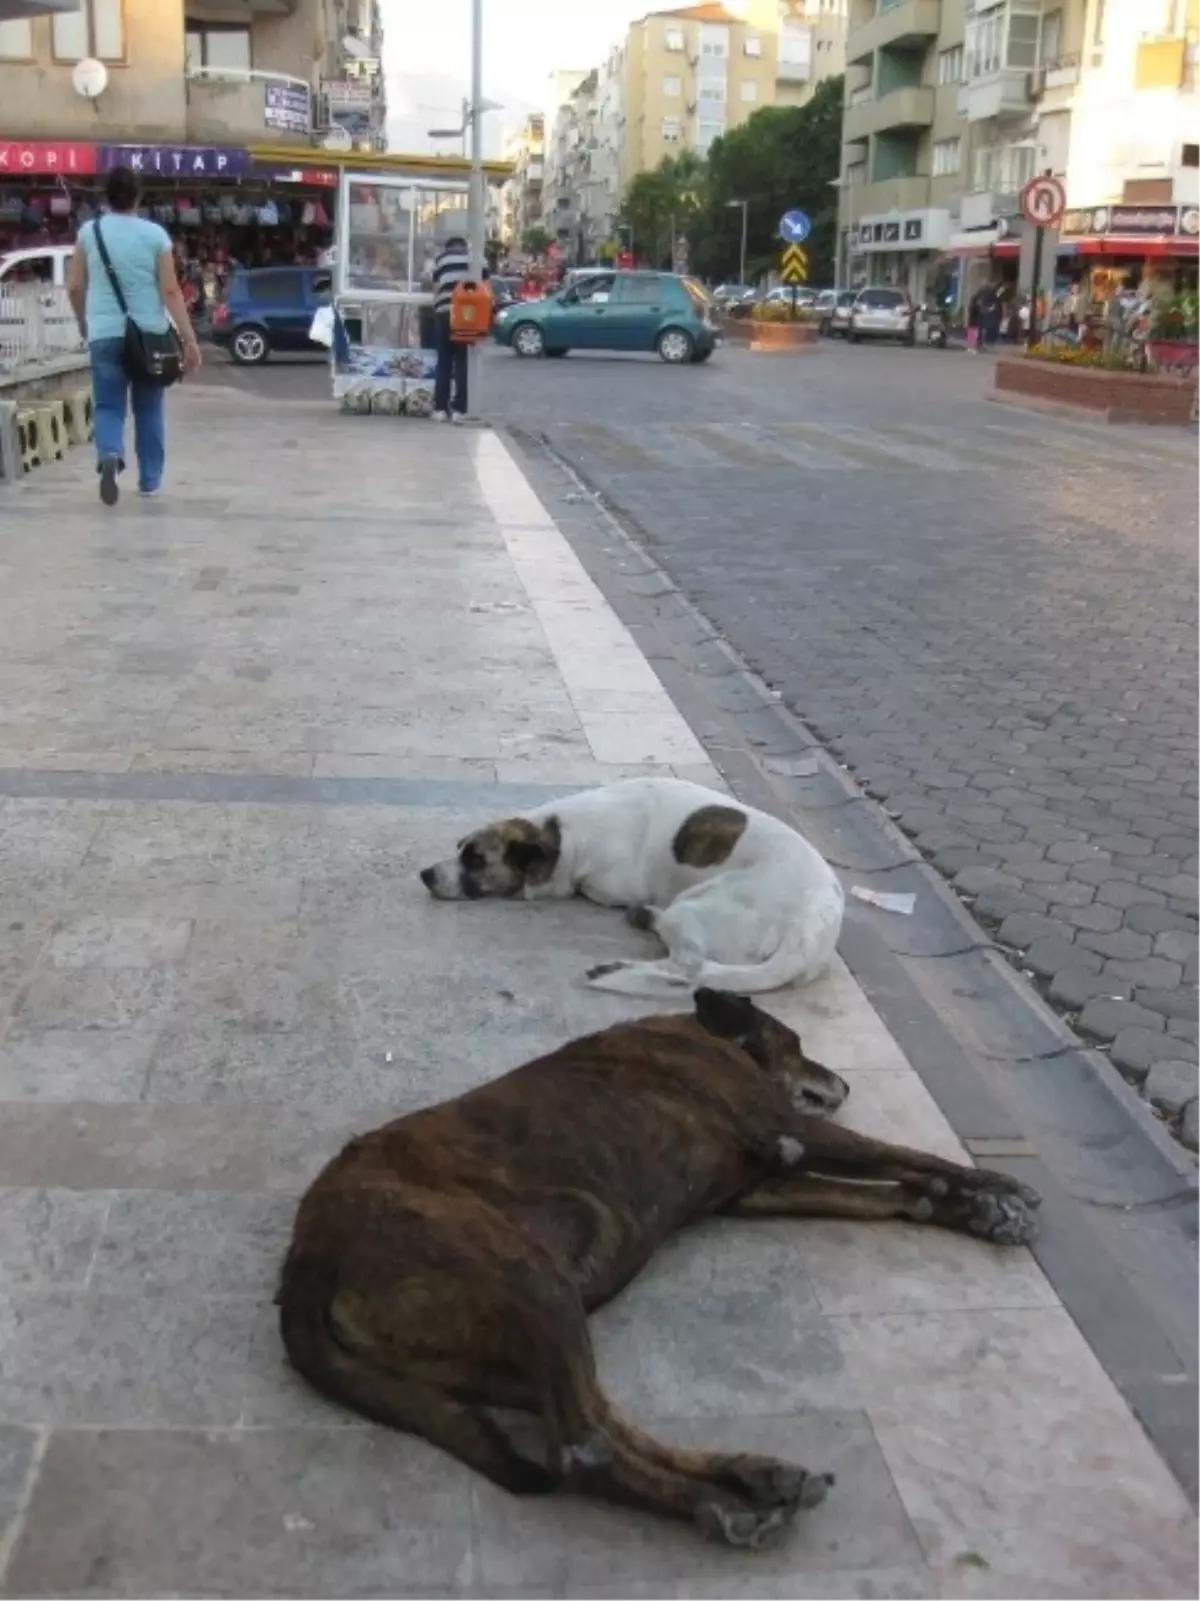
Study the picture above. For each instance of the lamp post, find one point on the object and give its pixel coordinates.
(732, 205)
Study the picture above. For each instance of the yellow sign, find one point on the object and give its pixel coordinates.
(794, 268)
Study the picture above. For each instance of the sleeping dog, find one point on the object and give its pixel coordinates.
(741, 901)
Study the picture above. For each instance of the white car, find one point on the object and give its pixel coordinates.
(802, 295)
(882, 314)
(35, 314)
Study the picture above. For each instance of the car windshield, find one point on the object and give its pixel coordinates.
(847, 297)
(883, 299)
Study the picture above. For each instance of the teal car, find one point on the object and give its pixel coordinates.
(642, 311)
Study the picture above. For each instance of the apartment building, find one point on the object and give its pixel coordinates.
(190, 72)
(521, 202)
(693, 74)
(953, 105)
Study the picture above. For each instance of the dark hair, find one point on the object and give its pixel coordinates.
(455, 242)
(121, 189)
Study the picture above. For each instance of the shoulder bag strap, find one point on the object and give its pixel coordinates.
(108, 267)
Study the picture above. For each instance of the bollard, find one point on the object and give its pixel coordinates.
(77, 416)
(30, 437)
(10, 442)
(52, 429)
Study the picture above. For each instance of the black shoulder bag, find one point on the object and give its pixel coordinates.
(150, 358)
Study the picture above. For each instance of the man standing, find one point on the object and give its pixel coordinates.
(452, 267)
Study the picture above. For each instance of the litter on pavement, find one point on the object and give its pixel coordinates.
(886, 900)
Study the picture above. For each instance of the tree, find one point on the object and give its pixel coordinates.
(781, 159)
(535, 241)
(664, 205)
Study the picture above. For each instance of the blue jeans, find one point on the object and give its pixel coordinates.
(451, 368)
(110, 394)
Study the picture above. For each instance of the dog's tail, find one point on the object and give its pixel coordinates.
(667, 978)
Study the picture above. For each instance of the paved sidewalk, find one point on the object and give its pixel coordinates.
(235, 722)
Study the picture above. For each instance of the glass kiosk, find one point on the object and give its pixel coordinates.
(389, 230)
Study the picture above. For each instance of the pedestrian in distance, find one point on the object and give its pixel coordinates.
(141, 260)
(451, 267)
(974, 322)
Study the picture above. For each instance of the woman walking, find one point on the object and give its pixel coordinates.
(142, 262)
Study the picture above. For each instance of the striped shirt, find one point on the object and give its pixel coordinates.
(451, 267)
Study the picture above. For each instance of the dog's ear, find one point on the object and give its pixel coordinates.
(729, 1017)
(534, 851)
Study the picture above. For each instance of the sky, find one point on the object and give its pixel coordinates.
(428, 63)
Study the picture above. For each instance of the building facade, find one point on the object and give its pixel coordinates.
(953, 105)
(693, 74)
(194, 72)
(521, 204)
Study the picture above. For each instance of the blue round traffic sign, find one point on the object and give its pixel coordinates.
(794, 227)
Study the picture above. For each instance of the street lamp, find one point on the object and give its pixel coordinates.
(732, 205)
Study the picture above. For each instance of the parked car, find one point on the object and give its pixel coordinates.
(265, 309)
(834, 312)
(727, 295)
(804, 296)
(637, 311)
(35, 313)
(882, 314)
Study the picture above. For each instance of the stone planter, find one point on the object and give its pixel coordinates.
(1112, 396)
(783, 335)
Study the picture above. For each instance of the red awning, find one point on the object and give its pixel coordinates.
(1131, 245)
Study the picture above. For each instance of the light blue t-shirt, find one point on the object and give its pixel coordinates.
(134, 246)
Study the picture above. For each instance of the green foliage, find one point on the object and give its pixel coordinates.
(1176, 316)
(535, 240)
(663, 204)
(780, 159)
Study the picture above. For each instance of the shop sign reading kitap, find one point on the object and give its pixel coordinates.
(36, 157)
(176, 161)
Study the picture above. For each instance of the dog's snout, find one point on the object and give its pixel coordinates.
(429, 877)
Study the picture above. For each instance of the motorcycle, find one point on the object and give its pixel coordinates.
(935, 327)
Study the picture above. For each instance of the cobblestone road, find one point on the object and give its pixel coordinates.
(987, 615)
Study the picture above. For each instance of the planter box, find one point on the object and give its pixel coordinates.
(1112, 396)
(1174, 356)
(783, 335)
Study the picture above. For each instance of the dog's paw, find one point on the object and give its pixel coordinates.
(1004, 1213)
(602, 969)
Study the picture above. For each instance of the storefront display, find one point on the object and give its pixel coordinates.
(390, 228)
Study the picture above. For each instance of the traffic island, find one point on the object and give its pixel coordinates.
(771, 336)
(1111, 395)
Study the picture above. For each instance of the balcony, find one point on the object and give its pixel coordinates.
(223, 108)
(1005, 93)
(987, 207)
(908, 25)
(903, 108)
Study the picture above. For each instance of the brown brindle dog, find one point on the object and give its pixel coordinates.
(446, 1263)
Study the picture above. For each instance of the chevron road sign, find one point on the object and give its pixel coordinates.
(794, 266)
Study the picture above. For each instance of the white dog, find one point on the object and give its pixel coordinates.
(741, 901)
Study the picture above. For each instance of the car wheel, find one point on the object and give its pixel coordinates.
(675, 346)
(250, 347)
(527, 340)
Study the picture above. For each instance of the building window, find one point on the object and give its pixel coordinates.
(673, 38)
(752, 45)
(1098, 21)
(218, 46)
(981, 177)
(16, 40)
(672, 87)
(795, 46)
(1051, 43)
(706, 135)
(96, 29)
(1189, 156)
(947, 157)
(714, 93)
(950, 65)
(670, 130)
(749, 91)
(1023, 33)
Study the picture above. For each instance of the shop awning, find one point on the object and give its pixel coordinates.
(1130, 245)
(983, 241)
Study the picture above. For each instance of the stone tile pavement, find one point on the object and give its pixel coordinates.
(236, 720)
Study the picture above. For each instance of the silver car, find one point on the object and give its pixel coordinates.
(882, 314)
(833, 309)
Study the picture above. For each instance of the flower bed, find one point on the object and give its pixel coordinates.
(1100, 385)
